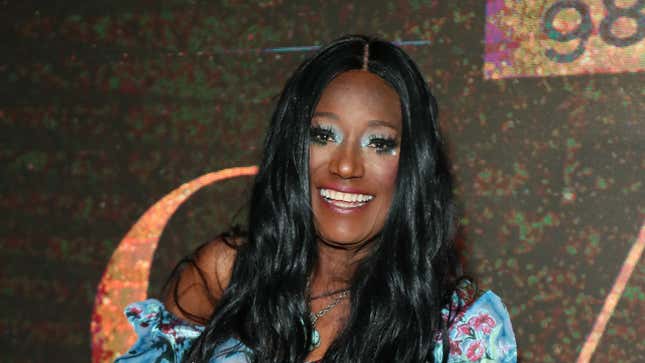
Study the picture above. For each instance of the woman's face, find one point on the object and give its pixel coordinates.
(354, 157)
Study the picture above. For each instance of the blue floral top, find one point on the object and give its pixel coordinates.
(482, 332)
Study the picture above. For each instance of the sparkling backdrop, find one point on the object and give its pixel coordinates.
(108, 106)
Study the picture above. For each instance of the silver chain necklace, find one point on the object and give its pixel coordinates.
(315, 334)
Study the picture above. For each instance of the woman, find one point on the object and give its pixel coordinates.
(349, 254)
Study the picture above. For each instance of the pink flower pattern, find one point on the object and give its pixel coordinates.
(455, 348)
(475, 351)
(464, 329)
(471, 330)
(482, 322)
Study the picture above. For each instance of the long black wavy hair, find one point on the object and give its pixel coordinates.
(399, 289)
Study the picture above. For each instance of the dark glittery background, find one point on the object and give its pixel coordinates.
(106, 106)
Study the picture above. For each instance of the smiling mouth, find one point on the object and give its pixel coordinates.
(345, 200)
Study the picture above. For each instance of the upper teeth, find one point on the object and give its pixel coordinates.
(346, 197)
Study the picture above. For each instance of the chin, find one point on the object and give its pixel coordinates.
(342, 240)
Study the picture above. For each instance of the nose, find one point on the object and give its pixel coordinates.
(347, 162)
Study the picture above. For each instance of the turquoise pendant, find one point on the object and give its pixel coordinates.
(315, 340)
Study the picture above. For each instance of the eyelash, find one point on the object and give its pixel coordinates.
(322, 135)
(382, 144)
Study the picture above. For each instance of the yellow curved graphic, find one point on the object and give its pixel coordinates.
(125, 279)
(612, 298)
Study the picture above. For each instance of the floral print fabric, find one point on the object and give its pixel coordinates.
(482, 332)
(161, 336)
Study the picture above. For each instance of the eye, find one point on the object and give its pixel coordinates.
(382, 144)
(322, 135)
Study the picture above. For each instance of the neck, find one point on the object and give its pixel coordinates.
(335, 268)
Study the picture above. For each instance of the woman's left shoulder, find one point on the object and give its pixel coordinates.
(481, 331)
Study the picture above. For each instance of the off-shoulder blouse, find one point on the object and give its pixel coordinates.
(482, 332)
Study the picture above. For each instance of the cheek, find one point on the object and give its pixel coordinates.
(385, 172)
(390, 175)
(316, 161)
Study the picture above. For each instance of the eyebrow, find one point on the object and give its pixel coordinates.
(327, 114)
(381, 123)
(371, 123)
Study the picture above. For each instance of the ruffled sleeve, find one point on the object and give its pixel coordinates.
(481, 333)
(161, 336)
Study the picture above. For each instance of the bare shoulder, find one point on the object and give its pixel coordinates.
(216, 260)
(201, 279)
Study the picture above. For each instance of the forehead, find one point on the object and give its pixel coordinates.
(361, 92)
